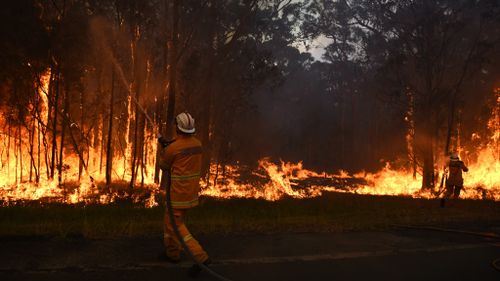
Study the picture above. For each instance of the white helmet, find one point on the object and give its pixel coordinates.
(185, 123)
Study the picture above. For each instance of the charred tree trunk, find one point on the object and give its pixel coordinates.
(32, 147)
(82, 121)
(164, 94)
(54, 124)
(141, 149)
(101, 128)
(138, 147)
(45, 146)
(8, 148)
(101, 141)
(135, 146)
(428, 180)
(46, 130)
(207, 97)
(158, 145)
(172, 69)
(342, 138)
(20, 154)
(109, 151)
(161, 101)
(426, 139)
(63, 130)
(138, 114)
(39, 147)
(205, 126)
(159, 120)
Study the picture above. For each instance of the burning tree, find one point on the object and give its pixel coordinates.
(422, 52)
(72, 97)
(77, 79)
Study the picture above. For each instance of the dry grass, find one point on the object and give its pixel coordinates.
(331, 212)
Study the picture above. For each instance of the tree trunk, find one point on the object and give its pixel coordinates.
(141, 148)
(426, 146)
(134, 150)
(172, 69)
(32, 148)
(161, 102)
(158, 120)
(54, 125)
(428, 169)
(137, 88)
(46, 126)
(343, 105)
(20, 153)
(39, 148)
(63, 130)
(8, 148)
(101, 142)
(205, 126)
(82, 122)
(109, 151)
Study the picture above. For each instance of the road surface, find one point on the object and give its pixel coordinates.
(396, 254)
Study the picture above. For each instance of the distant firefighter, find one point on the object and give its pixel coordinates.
(455, 181)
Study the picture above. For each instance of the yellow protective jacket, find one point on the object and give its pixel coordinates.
(182, 159)
(456, 168)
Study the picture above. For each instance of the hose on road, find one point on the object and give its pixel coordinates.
(494, 263)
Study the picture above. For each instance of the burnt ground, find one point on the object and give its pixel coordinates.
(398, 253)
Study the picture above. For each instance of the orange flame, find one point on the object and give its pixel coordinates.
(269, 181)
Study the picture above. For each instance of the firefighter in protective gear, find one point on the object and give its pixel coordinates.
(182, 161)
(455, 181)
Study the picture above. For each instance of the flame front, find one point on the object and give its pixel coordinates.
(270, 181)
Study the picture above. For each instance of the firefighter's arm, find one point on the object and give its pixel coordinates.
(166, 158)
(464, 168)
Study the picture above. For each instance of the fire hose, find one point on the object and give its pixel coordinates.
(495, 263)
(171, 211)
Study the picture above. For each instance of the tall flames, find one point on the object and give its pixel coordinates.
(270, 181)
(29, 144)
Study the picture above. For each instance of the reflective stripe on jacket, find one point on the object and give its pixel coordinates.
(183, 159)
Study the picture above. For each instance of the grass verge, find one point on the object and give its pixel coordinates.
(332, 212)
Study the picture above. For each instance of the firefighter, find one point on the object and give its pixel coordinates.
(182, 161)
(455, 181)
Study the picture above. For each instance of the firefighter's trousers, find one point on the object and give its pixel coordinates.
(172, 244)
(453, 190)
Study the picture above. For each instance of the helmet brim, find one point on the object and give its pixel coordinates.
(190, 131)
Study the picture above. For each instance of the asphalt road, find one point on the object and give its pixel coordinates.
(398, 254)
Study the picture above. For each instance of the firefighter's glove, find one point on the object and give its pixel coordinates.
(163, 141)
